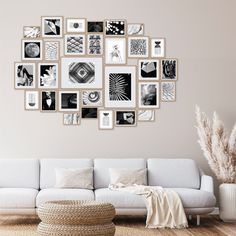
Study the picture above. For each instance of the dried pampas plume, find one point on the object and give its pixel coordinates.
(217, 147)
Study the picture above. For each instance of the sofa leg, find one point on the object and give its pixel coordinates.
(190, 217)
(198, 220)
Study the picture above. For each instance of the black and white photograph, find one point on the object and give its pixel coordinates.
(148, 69)
(148, 95)
(74, 44)
(115, 51)
(31, 31)
(158, 47)
(24, 75)
(75, 25)
(90, 113)
(168, 92)
(146, 115)
(47, 75)
(120, 84)
(32, 100)
(48, 101)
(31, 50)
(92, 98)
(95, 44)
(115, 27)
(81, 72)
(51, 50)
(135, 29)
(105, 119)
(71, 118)
(69, 101)
(138, 47)
(95, 26)
(169, 69)
(125, 118)
(52, 26)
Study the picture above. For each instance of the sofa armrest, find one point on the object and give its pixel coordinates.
(207, 183)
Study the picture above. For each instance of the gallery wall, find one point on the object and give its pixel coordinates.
(201, 34)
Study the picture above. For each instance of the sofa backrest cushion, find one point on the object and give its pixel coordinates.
(173, 173)
(101, 169)
(19, 173)
(47, 169)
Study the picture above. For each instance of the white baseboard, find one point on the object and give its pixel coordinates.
(216, 211)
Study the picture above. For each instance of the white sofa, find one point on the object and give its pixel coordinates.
(27, 183)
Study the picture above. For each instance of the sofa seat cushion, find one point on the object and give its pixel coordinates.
(52, 194)
(17, 197)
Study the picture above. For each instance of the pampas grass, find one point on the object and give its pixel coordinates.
(217, 147)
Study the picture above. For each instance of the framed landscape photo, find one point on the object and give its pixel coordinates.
(106, 119)
(31, 32)
(95, 44)
(74, 44)
(48, 101)
(168, 91)
(69, 101)
(51, 50)
(95, 26)
(146, 115)
(120, 86)
(135, 29)
(149, 95)
(48, 75)
(52, 26)
(31, 100)
(125, 118)
(92, 98)
(148, 69)
(89, 112)
(169, 69)
(115, 27)
(32, 49)
(25, 77)
(71, 118)
(138, 47)
(158, 47)
(75, 25)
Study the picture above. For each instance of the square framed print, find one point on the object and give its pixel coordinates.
(92, 98)
(69, 101)
(105, 119)
(31, 32)
(51, 50)
(31, 100)
(158, 47)
(125, 118)
(115, 27)
(95, 26)
(85, 73)
(75, 25)
(148, 69)
(168, 91)
(52, 26)
(149, 95)
(169, 69)
(136, 29)
(89, 113)
(71, 118)
(48, 101)
(32, 49)
(75, 44)
(25, 75)
(120, 86)
(95, 44)
(115, 51)
(146, 115)
(48, 75)
(138, 47)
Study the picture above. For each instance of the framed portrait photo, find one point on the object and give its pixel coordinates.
(52, 26)
(95, 26)
(138, 47)
(149, 95)
(168, 91)
(74, 44)
(120, 86)
(92, 98)
(75, 25)
(48, 101)
(95, 44)
(158, 47)
(106, 119)
(125, 118)
(89, 112)
(51, 50)
(69, 101)
(115, 27)
(32, 49)
(148, 69)
(48, 75)
(146, 115)
(135, 29)
(71, 118)
(31, 100)
(169, 69)
(25, 77)
(31, 32)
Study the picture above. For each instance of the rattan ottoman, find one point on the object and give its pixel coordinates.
(74, 218)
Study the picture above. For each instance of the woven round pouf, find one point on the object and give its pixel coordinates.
(76, 218)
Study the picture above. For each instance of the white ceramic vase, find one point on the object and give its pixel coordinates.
(227, 195)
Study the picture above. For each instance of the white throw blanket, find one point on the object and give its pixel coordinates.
(164, 207)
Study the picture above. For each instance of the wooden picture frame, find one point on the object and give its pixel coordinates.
(32, 49)
(125, 118)
(168, 91)
(32, 100)
(115, 27)
(73, 45)
(169, 69)
(76, 25)
(89, 113)
(158, 47)
(149, 69)
(105, 119)
(71, 119)
(68, 102)
(95, 44)
(45, 106)
(52, 50)
(52, 26)
(92, 98)
(138, 47)
(31, 32)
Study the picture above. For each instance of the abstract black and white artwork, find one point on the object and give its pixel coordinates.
(169, 69)
(90, 113)
(31, 31)
(106, 119)
(146, 115)
(69, 101)
(95, 44)
(31, 49)
(125, 118)
(48, 101)
(158, 47)
(47, 75)
(74, 45)
(24, 75)
(168, 91)
(31, 100)
(148, 69)
(95, 26)
(115, 27)
(51, 50)
(75, 25)
(52, 26)
(92, 98)
(138, 47)
(71, 118)
(135, 29)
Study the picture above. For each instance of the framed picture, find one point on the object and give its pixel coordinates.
(32, 49)
(52, 26)
(168, 92)
(148, 69)
(125, 118)
(69, 101)
(92, 98)
(90, 113)
(31, 31)
(75, 25)
(51, 50)
(115, 51)
(149, 95)
(146, 115)
(95, 44)
(71, 118)
(138, 47)
(95, 26)
(25, 75)
(75, 44)
(81, 73)
(169, 69)
(105, 119)
(31, 100)
(135, 29)
(48, 101)
(158, 47)
(120, 86)
(115, 27)
(48, 75)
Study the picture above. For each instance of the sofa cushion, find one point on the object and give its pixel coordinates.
(173, 173)
(53, 194)
(17, 197)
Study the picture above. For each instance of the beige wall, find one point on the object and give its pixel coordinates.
(200, 33)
